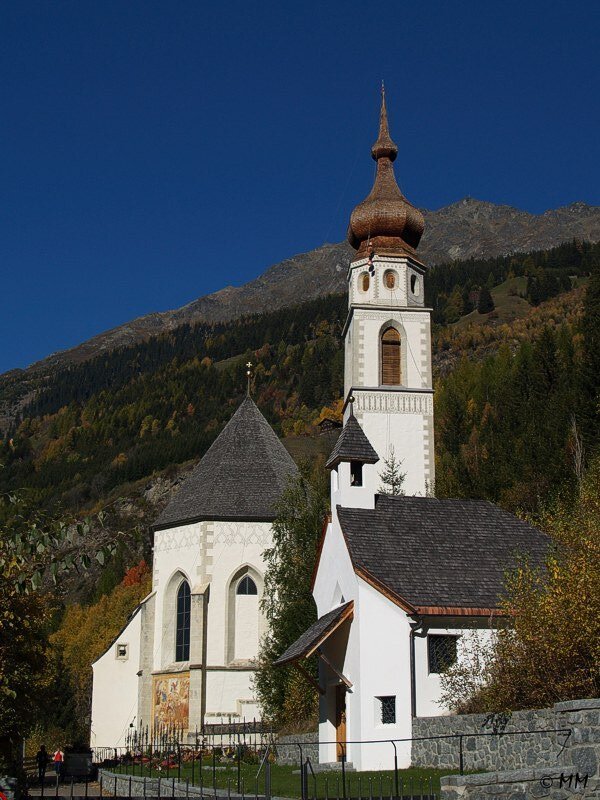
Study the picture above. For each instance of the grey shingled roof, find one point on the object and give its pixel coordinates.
(439, 553)
(241, 475)
(312, 637)
(352, 445)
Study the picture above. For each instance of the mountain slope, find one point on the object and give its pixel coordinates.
(466, 229)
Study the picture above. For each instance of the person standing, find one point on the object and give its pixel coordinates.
(58, 759)
(42, 758)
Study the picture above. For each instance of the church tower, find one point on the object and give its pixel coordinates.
(388, 379)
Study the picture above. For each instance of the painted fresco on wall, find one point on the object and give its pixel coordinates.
(171, 704)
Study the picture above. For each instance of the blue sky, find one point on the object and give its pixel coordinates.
(152, 152)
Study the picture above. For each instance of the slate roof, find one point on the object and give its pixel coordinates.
(352, 445)
(439, 553)
(306, 644)
(240, 477)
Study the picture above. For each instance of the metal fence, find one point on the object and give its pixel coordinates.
(237, 770)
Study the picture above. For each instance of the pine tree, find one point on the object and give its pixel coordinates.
(485, 304)
(590, 396)
(391, 477)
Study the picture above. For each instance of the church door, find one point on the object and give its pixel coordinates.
(340, 721)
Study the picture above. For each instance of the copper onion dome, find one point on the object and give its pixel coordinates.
(385, 221)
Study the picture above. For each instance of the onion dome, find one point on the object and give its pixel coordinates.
(385, 221)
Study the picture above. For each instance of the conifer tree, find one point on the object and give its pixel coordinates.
(391, 476)
(485, 304)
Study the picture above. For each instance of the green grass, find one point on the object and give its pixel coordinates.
(285, 780)
(508, 305)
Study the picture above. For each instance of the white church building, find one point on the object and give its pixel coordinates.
(188, 653)
(402, 582)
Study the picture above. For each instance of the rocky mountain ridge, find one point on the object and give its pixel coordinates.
(465, 229)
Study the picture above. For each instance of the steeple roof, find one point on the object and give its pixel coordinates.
(241, 476)
(352, 445)
(385, 221)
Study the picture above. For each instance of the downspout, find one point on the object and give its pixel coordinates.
(417, 628)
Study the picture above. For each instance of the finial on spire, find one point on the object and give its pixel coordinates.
(384, 147)
(249, 375)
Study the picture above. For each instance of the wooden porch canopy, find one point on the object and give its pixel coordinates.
(312, 639)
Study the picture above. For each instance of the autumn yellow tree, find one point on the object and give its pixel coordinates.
(86, 631)
(550, 649)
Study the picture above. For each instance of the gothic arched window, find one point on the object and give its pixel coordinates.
(182, 638)
(390, 357)
(246, 586)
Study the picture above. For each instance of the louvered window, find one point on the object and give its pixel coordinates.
(390, 357)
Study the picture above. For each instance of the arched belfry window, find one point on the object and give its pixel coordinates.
(182, 638)
(390, 357)
(246, 586)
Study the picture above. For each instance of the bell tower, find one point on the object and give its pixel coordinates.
(388, 330)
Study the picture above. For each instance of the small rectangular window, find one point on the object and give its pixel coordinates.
(387, 709)
(356, 473)
(122, 651)
(441, 652)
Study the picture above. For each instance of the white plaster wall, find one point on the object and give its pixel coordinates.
(378, 293)
(235, 545)
(215, 554)
(246, 626)
(385, 671)
(115, 689)
(336, 582)
(348, 496)
(412, 442)
(176, 550)
(399, 419)
(428, 685)
(228, 692)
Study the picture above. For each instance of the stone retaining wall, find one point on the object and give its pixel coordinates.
(289, 754)
(575, 771)
(135, 786)
(482, 751)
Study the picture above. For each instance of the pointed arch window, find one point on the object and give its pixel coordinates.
(246, 586)
(182, 639)
(390, 357)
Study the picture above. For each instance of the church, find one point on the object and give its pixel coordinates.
(403, 581)
(188, 653)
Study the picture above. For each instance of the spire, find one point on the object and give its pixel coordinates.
(384, 147)
(385, 221)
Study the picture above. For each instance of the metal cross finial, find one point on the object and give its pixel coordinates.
(249, 375)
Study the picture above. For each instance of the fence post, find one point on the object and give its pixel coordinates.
(461, 757)
(214, 768)
(303, 781)
(397, 788)
(343, 746)
(239, 767)
(178, 761)
(268, 780)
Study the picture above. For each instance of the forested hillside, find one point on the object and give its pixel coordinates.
(504, 416)
(516, 417)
